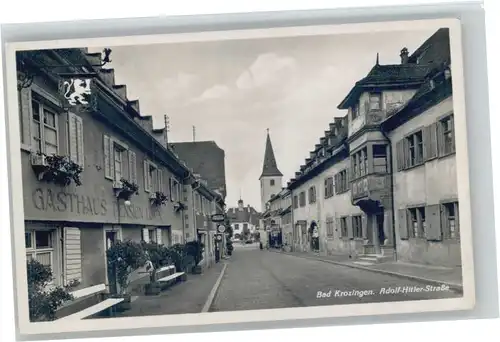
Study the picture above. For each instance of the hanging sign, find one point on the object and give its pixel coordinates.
(218, 218)
(78, 91)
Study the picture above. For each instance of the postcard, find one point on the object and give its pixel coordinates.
(239, 176)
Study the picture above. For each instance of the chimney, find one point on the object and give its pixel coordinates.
(404, 55)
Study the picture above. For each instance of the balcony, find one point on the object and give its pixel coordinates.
(371, 190)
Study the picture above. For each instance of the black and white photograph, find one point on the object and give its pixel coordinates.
(239, 176)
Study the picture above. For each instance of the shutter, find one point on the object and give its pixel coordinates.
(406, 153)
(73, 137)
(170, 192)
(107, 158)
(433, 152)
(145, 235)
(338, 227)
(132, 165)
(364, 226)
(426, 142)
(26, 115)
(337, 184)
(403, 224)
(79, 138)
(112, 158)
(146, 177)
(440, 140)
(160, 180)
(159, 236)
(350, 233)
(453, 135)
(72, 255)
(433, 223)
(399, 155)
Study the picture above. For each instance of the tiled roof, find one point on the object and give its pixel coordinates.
(270, 167)
(436, 49)
(206, 159)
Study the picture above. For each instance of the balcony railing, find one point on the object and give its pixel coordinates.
(370, 187)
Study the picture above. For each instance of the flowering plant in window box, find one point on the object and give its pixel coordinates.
(179, 206)
(125, 189)
(158, 198)
(59, 170)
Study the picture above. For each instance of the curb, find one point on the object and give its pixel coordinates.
(215, 289)
(453, 286)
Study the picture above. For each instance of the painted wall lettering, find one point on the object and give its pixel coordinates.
(60, 201)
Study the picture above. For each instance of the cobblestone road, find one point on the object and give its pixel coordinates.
(256, 280)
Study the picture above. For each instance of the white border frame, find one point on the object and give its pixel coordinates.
(464, 303)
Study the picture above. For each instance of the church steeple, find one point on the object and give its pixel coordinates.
(270, 167)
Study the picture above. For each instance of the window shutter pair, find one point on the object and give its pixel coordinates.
(72, 257)
(75, 135)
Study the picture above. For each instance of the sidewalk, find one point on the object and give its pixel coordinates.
(423, 273)
(190, 296)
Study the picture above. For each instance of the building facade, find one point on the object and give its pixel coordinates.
(244, 221)
(70, 227)
(382, 183)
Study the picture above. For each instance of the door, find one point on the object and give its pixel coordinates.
(380, 227)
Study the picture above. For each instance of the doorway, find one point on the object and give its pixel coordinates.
(111, 237)
(379, 221)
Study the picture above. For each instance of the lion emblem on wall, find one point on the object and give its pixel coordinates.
(76, 91)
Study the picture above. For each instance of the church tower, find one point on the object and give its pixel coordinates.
(271, 177)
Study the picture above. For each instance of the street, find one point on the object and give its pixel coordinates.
(256, 280)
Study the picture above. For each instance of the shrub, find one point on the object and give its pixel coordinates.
(43, 302)
(195, 250)
(124, 257)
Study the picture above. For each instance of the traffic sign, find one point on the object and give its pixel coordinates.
(221, 228)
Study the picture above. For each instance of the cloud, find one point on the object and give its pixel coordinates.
(267, 70)
(178, 86)
(215, 92)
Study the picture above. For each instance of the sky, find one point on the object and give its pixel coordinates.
(232, 91)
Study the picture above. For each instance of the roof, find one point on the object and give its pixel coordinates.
(207, 159)
(387, 76)
(244, 215)
(436, 49)
(270, 167)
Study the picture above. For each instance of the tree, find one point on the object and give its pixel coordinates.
(124, 257)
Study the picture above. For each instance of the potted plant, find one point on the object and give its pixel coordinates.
(125, 189)
(158, 198)
(195, 250)
(229, 247)
(44, 300)
(60, 170)
(124, 257)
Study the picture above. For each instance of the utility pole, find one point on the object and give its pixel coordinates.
(194, 133)
(167, 128)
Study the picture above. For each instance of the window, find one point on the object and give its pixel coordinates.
(380, 159)
(151, 235)
(341, 182)
(271, 182)
(236, 226)
(312, 194)
(245, 226)
(375, 101)
(343, 227)
(415, 149)
(175, 190)
(357, 226)
(360, 163)
(451, 220)
(354, 111)
(39, 246)
(416, 218)
(119, 161)
(45, 129)
(153, 177)
(328, 187)
(447, 135)
(295, 202)
(329, 227)
(302, 199)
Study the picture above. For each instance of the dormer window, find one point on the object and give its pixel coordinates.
(375, 102)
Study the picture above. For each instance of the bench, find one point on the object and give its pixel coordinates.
(87, 302)
(164, 278)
